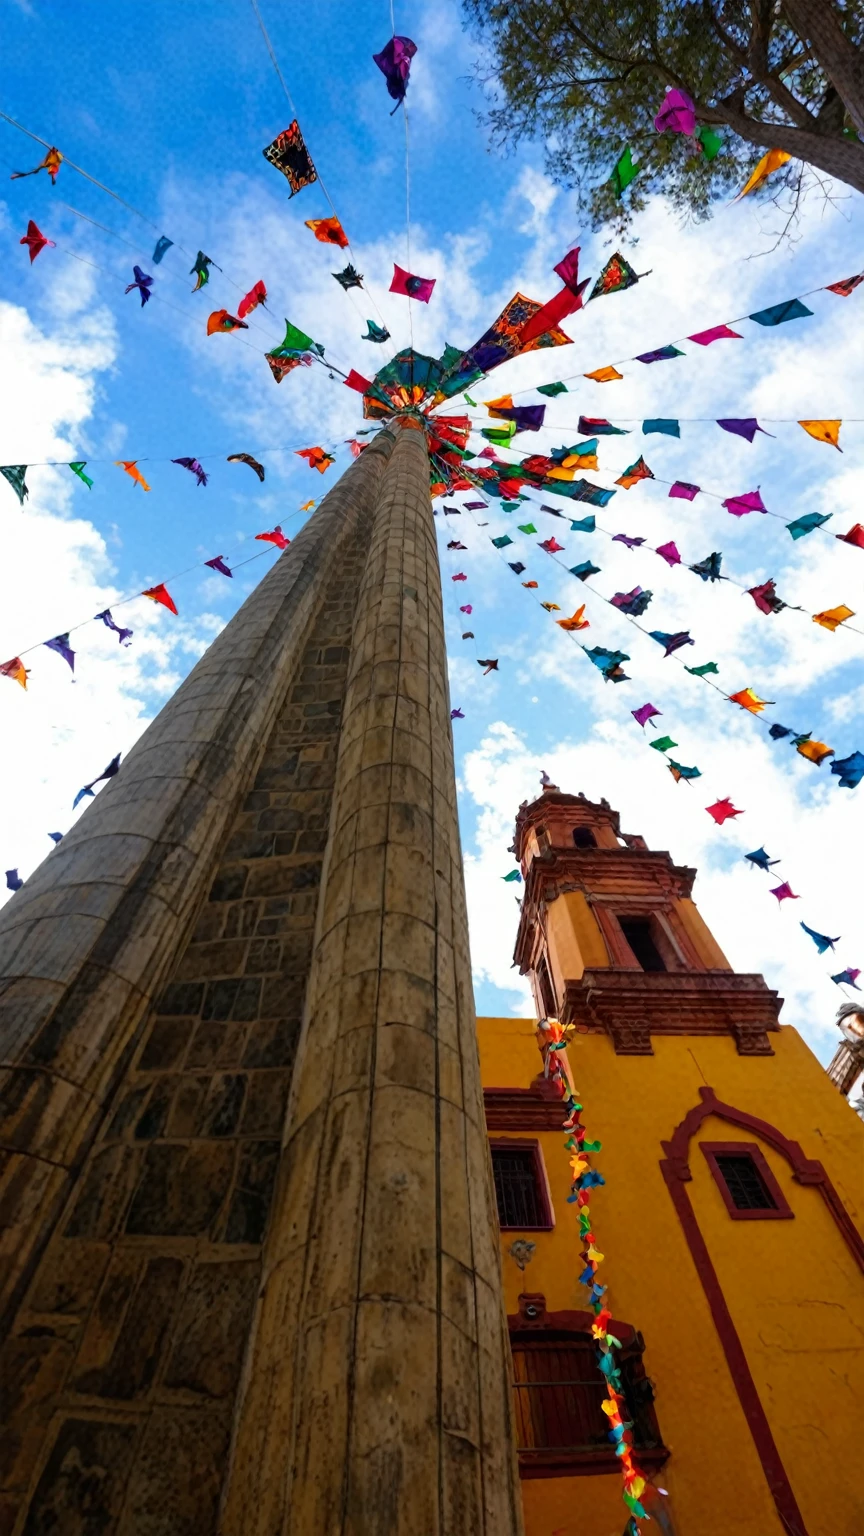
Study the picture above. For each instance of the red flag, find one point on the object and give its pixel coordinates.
(255, 296)
(35, 239)
(275, 536)
(160, 594)
(356, 381)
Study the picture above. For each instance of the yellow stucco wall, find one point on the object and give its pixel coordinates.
(792, 1287)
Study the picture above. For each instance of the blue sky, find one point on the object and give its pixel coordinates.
(171, 111)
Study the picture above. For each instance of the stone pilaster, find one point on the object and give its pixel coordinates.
(375, 1399)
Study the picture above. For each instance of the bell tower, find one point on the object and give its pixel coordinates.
(613, 942)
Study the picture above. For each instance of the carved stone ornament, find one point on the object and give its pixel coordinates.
(522, 1251)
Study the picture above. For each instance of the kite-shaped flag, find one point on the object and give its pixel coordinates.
(821, 940)
(202, 270)
(615, 276)
(577, 621)
(761, 860)
(61, 645)
(296, 342)
(394, 62)
(608, 662)
(16, 670)
(766, 599)
(659, 355)
(328, 231)
(644, 713)
(375, 332)
(606, 375)
(163, 244)
(709, 568)
(246, 458)
(750, 501)
(15, 474)
(56, 837)
(847, 978)
(275, 536)
(281, 366)
(221, 320)
(625, 538)
(550, 607)
(410, 286)
(142, 283)
(123, 635)
(742, 426)
(218, 564)
(807, 523)
(662, 743)
(489, 664)
(683, 491)
(78, 469)
(665, 424)
(549, 389)
(289, 154)
(715, 333)
(636, 472)
(551, 546)
(598, 426)
(824, 432)
(722, 810)
(855, 536)
(815, 751)
(634, 602)
(669, 552)
(583, 571)
(778, 314)
(349, 277)
(356, 381)
(13, 879)
(51, 163)
(831, 617)
(849, 769)
(769, 163)
(749, 700)
(526, 528)
(625, 172)
(316, 458)
(784, 892)
(513, 875)
(674, 642)
(678, 771)
(530, 584)
(34, 240)
(194, 468)
(456, 714)
(107, 773)
(846, 285)
(677, 114)
(160, 594)
(132, 470)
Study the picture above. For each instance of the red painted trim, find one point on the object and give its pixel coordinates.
(526, 1144)
(805, 1170)
(564, 1322)
(748, 1396)
(782, 1211)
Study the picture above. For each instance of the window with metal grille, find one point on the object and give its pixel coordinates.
(559, 1388)
(747, 1188)
(637, 932)
(521, 1197)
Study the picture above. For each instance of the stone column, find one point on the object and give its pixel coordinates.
(375, 1399)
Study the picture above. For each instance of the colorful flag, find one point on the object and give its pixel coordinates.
(328, 231)
(289, 154)
(410, 286)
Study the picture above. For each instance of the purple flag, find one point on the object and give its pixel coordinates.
(61, 645)
(622, 538)
(659, 355)
(394, 62)
(13, 880)
(528, 418)
(742, 426)
(644, 713)
(194, 468)
(456, 714)
(476, 506)
(684, 491)
(123, 635)
(739, 506)
(218, 564)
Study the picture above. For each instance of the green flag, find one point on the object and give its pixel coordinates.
(624, 172)
(78, 469)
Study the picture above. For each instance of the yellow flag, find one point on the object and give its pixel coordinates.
(560, 472)
(770, 162)
(307, 506)
(580, 460)
(824, 431)
(604, 375)
(829, 618)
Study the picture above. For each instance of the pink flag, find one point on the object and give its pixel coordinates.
(684, 491)
(739, 506)
(669, 552)
(460, 576)
(784, 892)
(412, 287)
(677, 114)
(466, 609)
(714, 333)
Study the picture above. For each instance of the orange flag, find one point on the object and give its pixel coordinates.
(503, 403)
(769, 163)
(14, 669)
(316, 458)
(829, 618)
(824, 432)
(131, 468)
(529, 583)
(577, 621)
(815, 751)
(221, 320)
(307, 506)
(749, 700)
(160, 594)
(604, 375)
(328, 231)
(636, 472)
(551, 607)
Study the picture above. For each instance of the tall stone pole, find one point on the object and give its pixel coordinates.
(222, 1315)
(375, 1399)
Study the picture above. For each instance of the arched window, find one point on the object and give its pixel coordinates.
(558, 1390)
(583, 837)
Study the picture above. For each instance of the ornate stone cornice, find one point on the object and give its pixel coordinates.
(631, 1006)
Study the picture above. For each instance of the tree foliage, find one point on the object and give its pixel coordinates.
(588, 76)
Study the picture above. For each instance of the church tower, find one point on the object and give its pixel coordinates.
(250, 1280)
(730, 1218)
